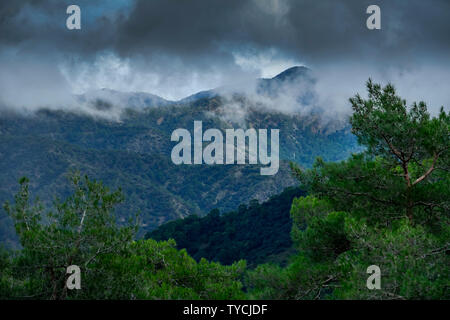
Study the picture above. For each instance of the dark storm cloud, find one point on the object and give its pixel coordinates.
(337, 29)
(308, 29)
(311, 30)
(175, 47)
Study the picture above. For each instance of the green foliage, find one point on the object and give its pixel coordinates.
(256, 232)
(413, 262)
(387, 206)
(318, 233)
(404, 171)
(301, 279)
(325, 239)
(387, 128)
(6, 283)
(361, 184)
(83, 231)
(157, 270)
(77, 231)
(303, 211)
(335, 250)
(409, 141)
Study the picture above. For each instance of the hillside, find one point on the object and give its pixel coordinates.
(133, 151)
(258, 233)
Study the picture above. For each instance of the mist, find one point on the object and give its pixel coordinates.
(174, 49)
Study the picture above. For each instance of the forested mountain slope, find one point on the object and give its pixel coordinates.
(258, 233)
(132, 148)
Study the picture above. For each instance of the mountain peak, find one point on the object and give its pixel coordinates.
(292, 73)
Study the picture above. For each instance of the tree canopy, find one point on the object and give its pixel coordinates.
(387, 206)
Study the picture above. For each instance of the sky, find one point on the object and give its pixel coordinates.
(174, 48)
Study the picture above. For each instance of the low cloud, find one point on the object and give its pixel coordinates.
(174, 49)
(326, 92)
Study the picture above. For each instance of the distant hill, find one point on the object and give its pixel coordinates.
(256, 232)
(106, 98)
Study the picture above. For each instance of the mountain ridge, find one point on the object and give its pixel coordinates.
(134, 153)
(154, 100)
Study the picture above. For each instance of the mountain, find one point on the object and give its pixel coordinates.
(265, 87)
(106, 98)
(133, 150)
(293, 73)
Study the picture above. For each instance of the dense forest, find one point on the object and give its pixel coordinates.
(387, 206)
(255, 232)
